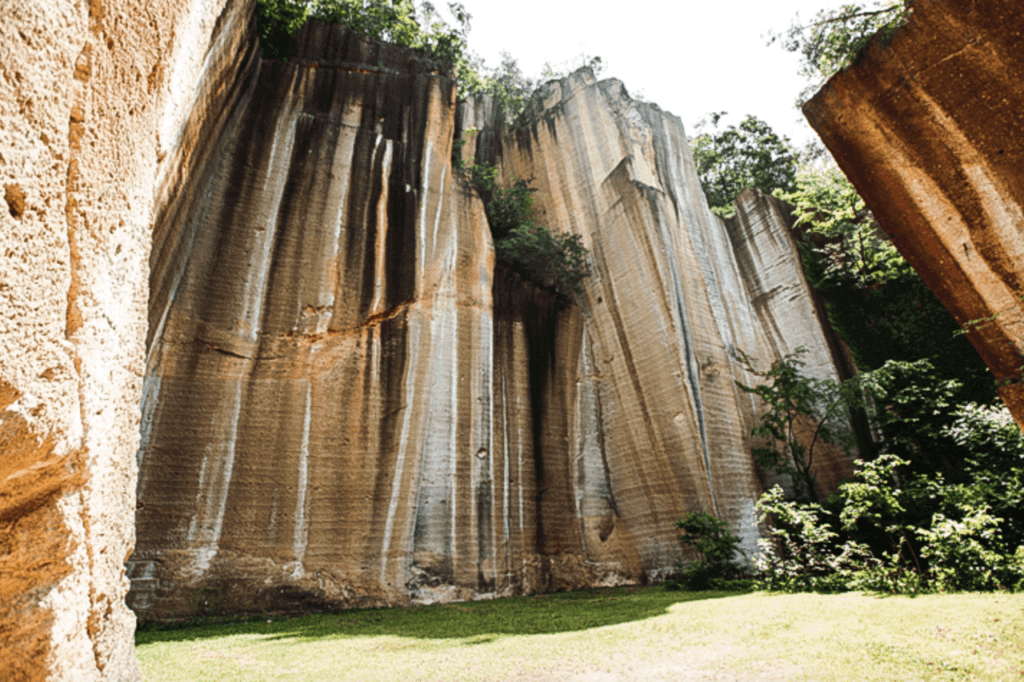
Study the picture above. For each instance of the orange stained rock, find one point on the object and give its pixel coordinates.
(930, 129)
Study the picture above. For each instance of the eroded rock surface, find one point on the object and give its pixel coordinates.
(930, 129)
(93, 97)
(346, 403)
(674, 292)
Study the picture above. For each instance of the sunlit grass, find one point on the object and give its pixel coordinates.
(621, 633)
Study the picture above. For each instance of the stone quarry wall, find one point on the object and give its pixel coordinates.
(674, 291)
(93, 98)
(343, 400)
(930, 129)
(346, 403)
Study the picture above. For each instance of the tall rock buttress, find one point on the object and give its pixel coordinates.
(929, 127)
(673, 294)
(100, 104)
(347, 403)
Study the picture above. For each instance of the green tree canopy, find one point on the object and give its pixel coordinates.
(834, 37)
(879, 305)
(393, 21)
(731, 160)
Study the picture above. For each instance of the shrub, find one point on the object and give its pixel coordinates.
(716, 547)
(903, 527)
(803, 552)
(965, 554)
(554, 261)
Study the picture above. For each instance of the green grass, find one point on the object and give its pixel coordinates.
(615, 634)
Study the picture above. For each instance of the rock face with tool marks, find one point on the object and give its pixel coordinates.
(930, 129)
(347, 403)
(344, 400)
(100, 103)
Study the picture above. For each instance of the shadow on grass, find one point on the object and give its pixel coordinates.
(477, 622)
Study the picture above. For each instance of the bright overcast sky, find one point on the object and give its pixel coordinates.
(688, 57)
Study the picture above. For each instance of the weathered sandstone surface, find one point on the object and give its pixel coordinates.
(930, 129)
(343, 400)
(94, 98)
(347, 403)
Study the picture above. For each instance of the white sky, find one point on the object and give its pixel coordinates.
(690, 57)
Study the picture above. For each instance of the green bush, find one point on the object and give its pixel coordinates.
(939, 509)
(554, 261)
(803, 551)
(716, 548)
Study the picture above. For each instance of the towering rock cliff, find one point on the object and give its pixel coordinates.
(95, 99)
(346, 403)
(930, 129)
(343, 400)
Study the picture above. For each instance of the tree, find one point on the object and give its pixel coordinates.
(831, 40)
(879, 305)
(798, 407)
(731, 160)
(393, 21)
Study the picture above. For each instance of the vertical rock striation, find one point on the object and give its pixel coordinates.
(673, 293)
(929, 128)
(346, 403)
(93, 97)
(319, 406)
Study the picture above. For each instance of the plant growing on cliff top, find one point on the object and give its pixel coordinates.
(393, 21)
(832, 40)
(731, 160)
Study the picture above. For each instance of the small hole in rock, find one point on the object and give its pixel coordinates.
(15, 198)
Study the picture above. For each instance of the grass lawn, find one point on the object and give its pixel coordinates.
(615, 634)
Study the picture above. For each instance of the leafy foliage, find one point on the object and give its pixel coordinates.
(393, 21)
(831, 40)
(874, 299)
(731, 160)
(796, 401)
(401, 23)
(508, 85)
(277, 22)
(802, 553)
(716, 547)
(938, 509)
(553, 261)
